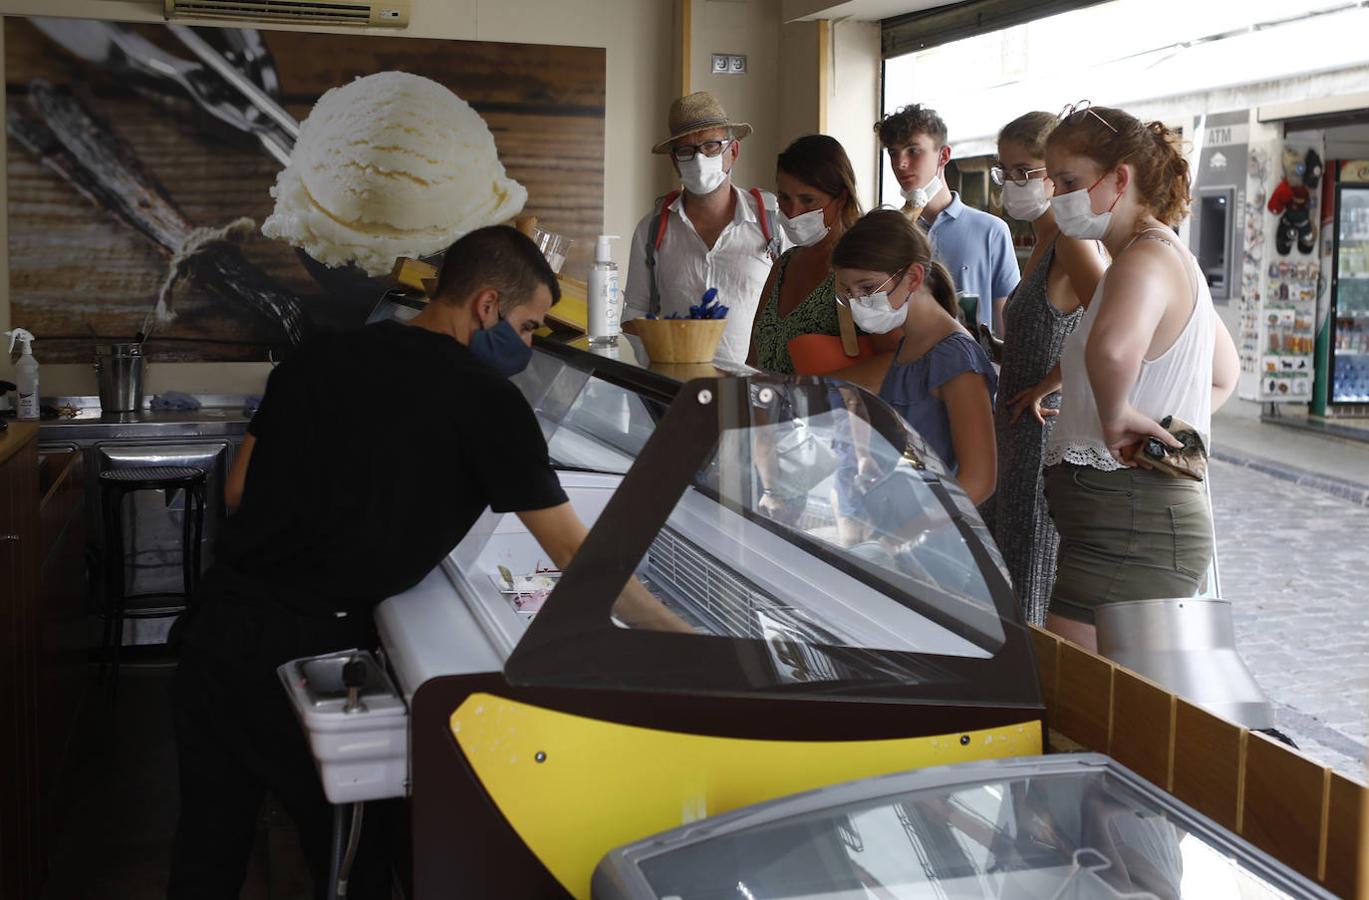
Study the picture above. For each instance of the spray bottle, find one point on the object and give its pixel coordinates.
(604, 299)
(26, 374)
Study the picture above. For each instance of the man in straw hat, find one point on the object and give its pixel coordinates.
(710, 234)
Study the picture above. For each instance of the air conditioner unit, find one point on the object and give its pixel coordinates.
(382, 13)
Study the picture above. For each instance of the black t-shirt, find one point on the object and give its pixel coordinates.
(376, 451)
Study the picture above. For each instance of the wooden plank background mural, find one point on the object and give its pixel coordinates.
(79, 277)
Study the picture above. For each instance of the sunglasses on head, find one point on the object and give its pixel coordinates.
(1075, 111)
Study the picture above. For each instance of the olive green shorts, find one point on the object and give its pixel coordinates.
(1132, 534)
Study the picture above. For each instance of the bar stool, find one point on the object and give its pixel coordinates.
(115, 485)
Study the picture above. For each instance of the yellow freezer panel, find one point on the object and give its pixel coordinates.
(574, 787)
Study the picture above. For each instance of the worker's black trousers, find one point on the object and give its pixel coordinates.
(238, 737)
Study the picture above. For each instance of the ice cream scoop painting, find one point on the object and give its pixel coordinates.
(392, 164)
(232, 222)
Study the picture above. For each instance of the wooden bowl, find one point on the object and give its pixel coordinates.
(678, 340)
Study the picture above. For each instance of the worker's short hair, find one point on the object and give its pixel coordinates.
(497, 257)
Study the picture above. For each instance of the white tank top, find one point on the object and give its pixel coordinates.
(1177, 383)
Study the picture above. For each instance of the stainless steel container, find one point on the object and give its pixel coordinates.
(119, 372)
(1187, 646)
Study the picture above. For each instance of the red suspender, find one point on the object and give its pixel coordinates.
(664, 217)
(760, 214)
(674, 195)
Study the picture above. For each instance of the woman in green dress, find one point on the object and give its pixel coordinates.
(816, 189)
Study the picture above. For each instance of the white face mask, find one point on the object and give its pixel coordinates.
(805, 229)
(1025, 202)
(702, 174)
(1075, 216)
(920, 196)
(874, 315)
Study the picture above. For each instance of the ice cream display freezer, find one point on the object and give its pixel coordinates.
(1067, 826)
(745, 620)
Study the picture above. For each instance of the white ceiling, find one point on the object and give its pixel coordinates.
(864, 10)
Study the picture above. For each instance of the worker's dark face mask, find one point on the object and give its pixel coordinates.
(500, 348)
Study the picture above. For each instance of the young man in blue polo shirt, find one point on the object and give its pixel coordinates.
(975, 246)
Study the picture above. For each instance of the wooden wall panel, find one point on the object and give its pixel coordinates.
(1282, 803)
(1084, 697)
(1300, 812)
(1142, 726)
(1345, 847)
(1207, 763)
(76, 275)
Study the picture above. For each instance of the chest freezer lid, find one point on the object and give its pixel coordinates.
(929, 560)
(1077, 825)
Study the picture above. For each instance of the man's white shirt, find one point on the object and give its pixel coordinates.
(737, 266)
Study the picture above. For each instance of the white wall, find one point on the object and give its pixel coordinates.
(853, 100)
(637, 34)
(751, 27)
(798, 96)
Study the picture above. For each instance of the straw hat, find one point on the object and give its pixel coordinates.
(698, 112)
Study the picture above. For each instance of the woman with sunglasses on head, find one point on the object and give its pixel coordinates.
(1057, 283)
(816, 190)
(940, 379)
(1149, 346)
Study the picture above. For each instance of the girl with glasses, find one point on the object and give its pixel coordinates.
(940, 379)
(1057, 282)
(1150, 346)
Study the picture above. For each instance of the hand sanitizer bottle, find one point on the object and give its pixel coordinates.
(605, 301)
(26, 374)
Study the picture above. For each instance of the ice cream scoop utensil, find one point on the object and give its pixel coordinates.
(122, 51)
(237, 80)
(71, 143)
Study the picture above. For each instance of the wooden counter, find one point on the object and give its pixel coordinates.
(44, 624)
(20, 863)
(15, 437)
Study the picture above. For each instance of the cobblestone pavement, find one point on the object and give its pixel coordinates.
(1295, 564)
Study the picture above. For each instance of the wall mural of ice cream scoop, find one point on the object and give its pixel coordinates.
(402, 148)
(392, 164)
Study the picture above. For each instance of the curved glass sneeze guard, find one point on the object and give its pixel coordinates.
(809, 466)
(588, 423)
(813, 526)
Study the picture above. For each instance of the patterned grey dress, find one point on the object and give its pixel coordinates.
(1016, 513)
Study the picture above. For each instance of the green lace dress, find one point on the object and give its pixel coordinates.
(816, 314)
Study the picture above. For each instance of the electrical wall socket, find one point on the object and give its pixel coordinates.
(729, 64)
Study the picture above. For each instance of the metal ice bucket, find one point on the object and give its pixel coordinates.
(119, 372)
(1187, 646)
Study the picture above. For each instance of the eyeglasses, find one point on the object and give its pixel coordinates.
(848, 298)
(686, 152)
(1081, 108)
(1018, 176)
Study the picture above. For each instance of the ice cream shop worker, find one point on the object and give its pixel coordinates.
(974, 246)
(372, 454)
(708, 234)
